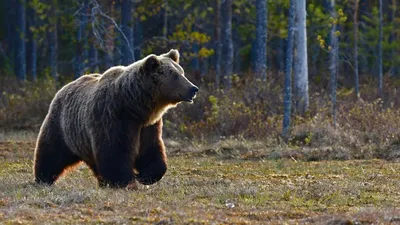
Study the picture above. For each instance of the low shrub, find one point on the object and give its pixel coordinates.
(252, 110)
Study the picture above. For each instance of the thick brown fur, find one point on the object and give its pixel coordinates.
(113, 122)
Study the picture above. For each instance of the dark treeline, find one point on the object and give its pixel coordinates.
(333, 44)
(62, 38)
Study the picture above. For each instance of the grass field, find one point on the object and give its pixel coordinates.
(205, 187)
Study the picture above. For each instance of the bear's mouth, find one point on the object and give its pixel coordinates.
(186, 99)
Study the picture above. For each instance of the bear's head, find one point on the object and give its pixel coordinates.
(168, 75)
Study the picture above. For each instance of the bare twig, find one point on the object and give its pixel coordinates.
(98, 28)
(96, 9)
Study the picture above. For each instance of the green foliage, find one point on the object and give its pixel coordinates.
(251, 108)
(148, 9)
(339, 20)
(204, 52)
(277, 22)
(191, 29)
(370, 35)
(214, 111)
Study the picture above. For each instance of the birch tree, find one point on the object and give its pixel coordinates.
(287, 90)
(301, 59)
(227, 52)
(126, 42)
(165, 17)
(53, 40)
(109, 38)
(333, 58)
(118, 42)
(32, 43)
(261, 39)
(218, 43)
(20, 59)
(392, 36)
(93, 58)
(380, 67)
(355, 28)
(80, 43)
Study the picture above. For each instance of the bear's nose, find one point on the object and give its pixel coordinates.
(194, 90)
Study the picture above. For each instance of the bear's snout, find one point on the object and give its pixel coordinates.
(194, 91)
(190, 94)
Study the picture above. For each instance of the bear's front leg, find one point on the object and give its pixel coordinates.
(151, 163)
(114, 156)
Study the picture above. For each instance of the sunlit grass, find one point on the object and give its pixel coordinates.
(204, 189)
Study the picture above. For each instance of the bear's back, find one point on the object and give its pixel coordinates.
(112, 74)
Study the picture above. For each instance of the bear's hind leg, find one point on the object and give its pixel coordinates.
(52, 157)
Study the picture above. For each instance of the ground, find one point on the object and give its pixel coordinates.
(205, 187)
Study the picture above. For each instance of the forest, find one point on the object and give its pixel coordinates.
(297, 118)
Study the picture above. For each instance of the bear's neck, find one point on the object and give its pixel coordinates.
(157, 113)
(138, 99)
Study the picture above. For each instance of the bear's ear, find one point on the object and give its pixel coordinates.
(151, 63)
(173, 54)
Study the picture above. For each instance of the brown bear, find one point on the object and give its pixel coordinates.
(113, 122)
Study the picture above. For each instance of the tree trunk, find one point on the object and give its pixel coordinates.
(392, 37)
(227, 50)
(364, 66)
(80, 43)
(165, 28)
(236, 47)
(218, 44)
(110, 40)
(20, 59)
(53, 51)
(132, 38)
(137, 34)
(380, 75)
(333, 56)
(53, 40)
(261, 39)
(10, 34)
(301, 60)
(204, 66)
(281, 54)
(118, 39)
(32, 58)
(85, 37)
(195, 64)
(93, 58)
(138, 38)
(287, 91)
(355, 28)
(126, 46)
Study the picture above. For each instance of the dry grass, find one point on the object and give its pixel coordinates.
(212, 185)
